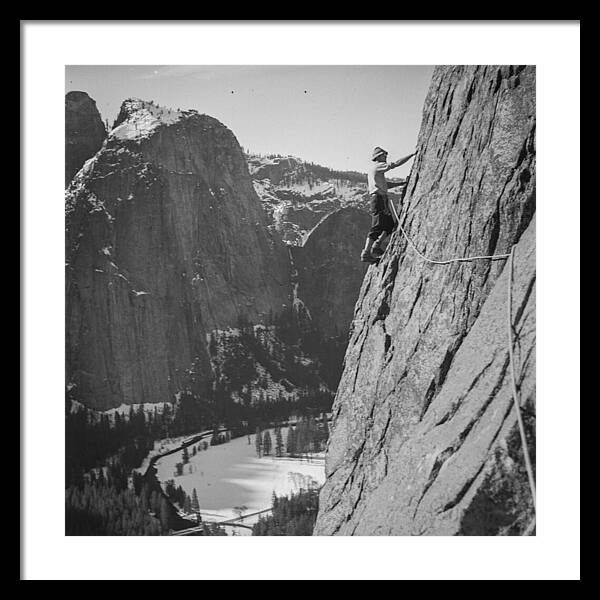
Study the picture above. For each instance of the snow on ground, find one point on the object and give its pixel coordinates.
(124, 410)
(231, 475)
(75, 406)
(148, 407)
(166, 445)
(342, 189)
(143, 119)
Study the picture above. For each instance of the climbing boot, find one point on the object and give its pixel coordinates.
(376, 251)
(367, 257)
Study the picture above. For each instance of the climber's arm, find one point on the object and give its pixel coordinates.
(401, 161)
(394, 184)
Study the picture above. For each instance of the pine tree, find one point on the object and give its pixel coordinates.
(214, 440)
(312, 442)
(170, 488)
(291, 440)
(301, 436)
(164, 513)
(187, 504)
(278, 442)
(195, 502)
(267, 444)
(258, 442)
(185, 456)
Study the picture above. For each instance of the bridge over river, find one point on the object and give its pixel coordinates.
(228, 523)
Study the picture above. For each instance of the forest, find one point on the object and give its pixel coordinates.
(263, 374)
(307, 436)
(291, 515)
(104, 494)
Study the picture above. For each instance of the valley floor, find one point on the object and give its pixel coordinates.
(230, 476)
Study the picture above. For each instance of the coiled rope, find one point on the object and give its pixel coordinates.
(515, 394)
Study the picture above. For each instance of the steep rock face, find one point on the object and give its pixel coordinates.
(84, 132)
(424, 440)
(166, 240)
(329, 274)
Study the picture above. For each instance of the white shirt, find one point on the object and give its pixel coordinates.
(376, 176)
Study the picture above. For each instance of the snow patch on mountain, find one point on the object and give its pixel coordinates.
(124, 410)
(297, 195)
(142, 119)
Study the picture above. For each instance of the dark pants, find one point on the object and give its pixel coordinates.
(381, 220)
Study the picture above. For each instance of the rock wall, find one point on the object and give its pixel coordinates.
(166, 240)
(329, 271)
(424, 440)
(84, 132)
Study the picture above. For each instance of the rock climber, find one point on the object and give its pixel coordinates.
(382, 220)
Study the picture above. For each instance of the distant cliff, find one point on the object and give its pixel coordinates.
(424, 440)
(329, 272)
(297, 194)
(84, 132)
(166, 241)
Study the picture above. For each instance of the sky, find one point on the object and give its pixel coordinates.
(330, 115)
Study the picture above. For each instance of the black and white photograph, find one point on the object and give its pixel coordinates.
(298, 301)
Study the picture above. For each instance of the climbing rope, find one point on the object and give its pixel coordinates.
(516, 400)
(442, 262)
(515, 394)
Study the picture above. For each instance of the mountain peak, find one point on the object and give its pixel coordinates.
(78, 96)
(140, 118)
(84, 131)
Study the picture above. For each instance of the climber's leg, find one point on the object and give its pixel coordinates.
(387, 224)
(377, 226)
(377, 248)
(366, 255)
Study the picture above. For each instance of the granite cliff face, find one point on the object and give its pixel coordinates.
(166, 241)
(329, 274)
(84, 132)
(424, 440)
